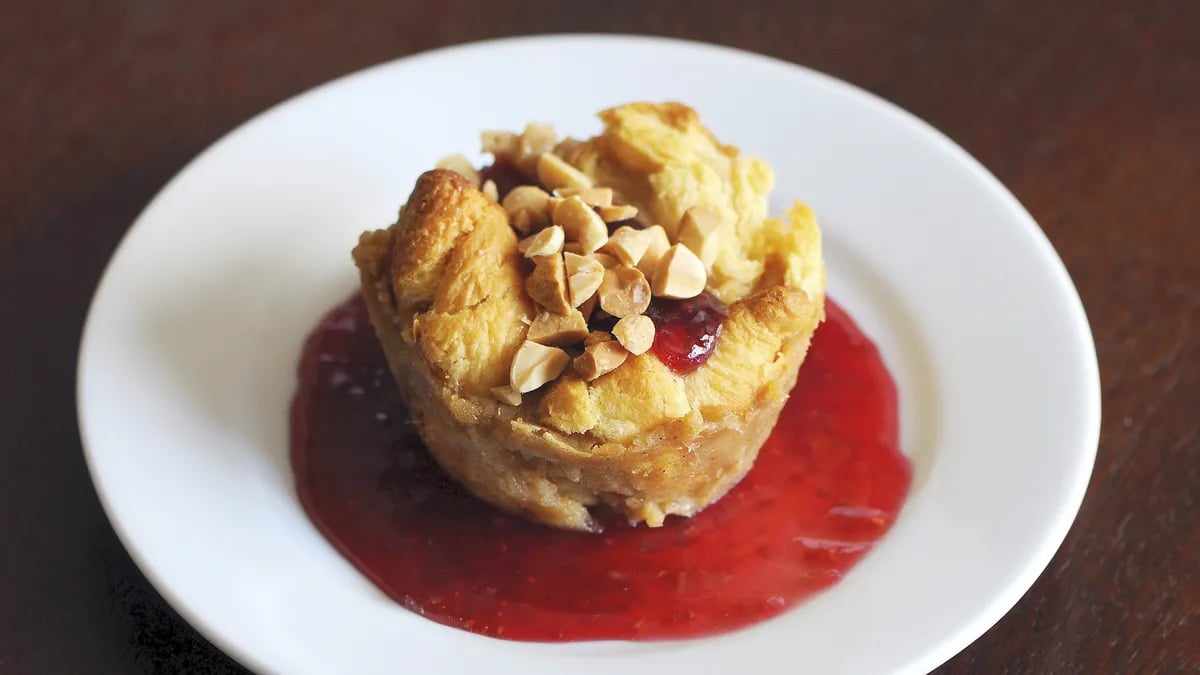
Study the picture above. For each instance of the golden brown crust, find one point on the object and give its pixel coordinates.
(445, 288)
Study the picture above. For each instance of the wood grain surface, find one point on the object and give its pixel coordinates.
(1088, 111)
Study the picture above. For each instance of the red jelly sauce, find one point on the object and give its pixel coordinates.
(827, 485)
(686, 331)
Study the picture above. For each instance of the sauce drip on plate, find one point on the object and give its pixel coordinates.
(827, 485)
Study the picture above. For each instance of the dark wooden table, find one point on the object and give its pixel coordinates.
(1090, 113)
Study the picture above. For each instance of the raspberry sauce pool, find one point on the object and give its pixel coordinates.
(826, 486)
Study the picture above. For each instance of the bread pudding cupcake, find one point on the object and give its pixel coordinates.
(596, 328)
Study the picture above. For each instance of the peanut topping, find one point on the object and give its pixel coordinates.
(490, 190)
(595, 337)
(584, 276)
(535, 141)
(535, 365)
(596, 196)
(547, 242)
(554, 172)
(593, 238)
(657, 245)
(625, 291)
(461, 166)
(598, 359)
(679, 274)
(558, 330)
(528, 208)
(521, 149)
(605, 259)
(698, 231)
(578, 266)
(627, 245)
(581, 224)
(612, 214)
(507, 394)
(635, 333)
(547, 284)
(500, 143)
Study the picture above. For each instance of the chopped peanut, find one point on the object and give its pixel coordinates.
(624, 291)
(499, 143)
(581, 224)
(598, 359)
(461, 166)
(597, 336)
(535, 365)
(547, 284)
(658, 243)
(605, 259)
(635, 333)
(596, 196)
(536, 140)
(554, 172)
(593, 238)
(612, 214)
(528, 208)
(628, 245)
(679, 274)
(584, 276)
(547, 242)
(558, 330)
(490, 190)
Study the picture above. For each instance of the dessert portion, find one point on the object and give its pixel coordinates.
(609, 324)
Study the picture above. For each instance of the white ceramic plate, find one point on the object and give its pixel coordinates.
(188, 359)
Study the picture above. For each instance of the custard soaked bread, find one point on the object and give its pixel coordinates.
(524, 325)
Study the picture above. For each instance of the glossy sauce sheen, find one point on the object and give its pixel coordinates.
(686, 332)
(827, 485)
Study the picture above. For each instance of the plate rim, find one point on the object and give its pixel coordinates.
(1001, 603)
